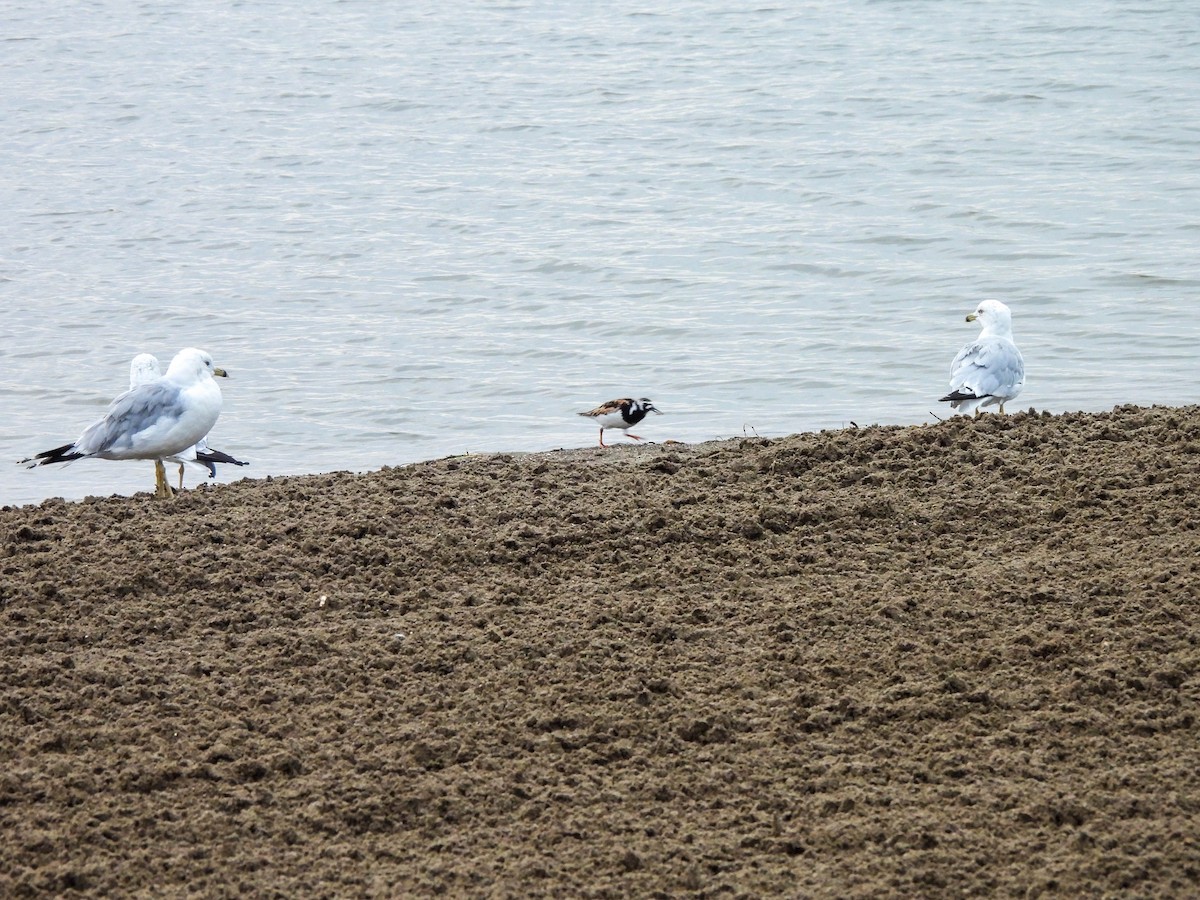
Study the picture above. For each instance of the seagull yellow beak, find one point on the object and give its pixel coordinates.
(971, 317)
(221, 372)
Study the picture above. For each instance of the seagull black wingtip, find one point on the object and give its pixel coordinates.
(210, 456)
(959, 395)
(57, 455)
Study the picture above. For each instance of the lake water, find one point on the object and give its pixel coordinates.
(416, 229)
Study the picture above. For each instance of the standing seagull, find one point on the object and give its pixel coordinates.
(144, 368)
(989, 370)
(157, 420)
(623, 414)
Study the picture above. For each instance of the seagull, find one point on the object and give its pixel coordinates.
(160, 419)
(990, 370)
(144, 368)
(623, 414)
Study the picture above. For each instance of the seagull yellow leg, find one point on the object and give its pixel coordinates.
(161, 487)
(181, 476)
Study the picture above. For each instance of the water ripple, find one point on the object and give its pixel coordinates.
(418, 232)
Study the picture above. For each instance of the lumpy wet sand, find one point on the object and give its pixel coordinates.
(944, 660)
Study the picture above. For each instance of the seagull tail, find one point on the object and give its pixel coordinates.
(210, 456)
(961, 394)
(62, 454)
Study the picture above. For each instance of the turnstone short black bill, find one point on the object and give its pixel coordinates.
(622, 414)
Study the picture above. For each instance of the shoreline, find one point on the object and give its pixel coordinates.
(884, 661)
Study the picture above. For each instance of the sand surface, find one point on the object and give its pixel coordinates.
(946, 660)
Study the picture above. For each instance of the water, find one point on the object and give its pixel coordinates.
(411, 230)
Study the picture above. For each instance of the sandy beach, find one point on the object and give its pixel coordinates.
(947, 660)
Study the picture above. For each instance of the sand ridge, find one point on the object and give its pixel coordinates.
(936, 660)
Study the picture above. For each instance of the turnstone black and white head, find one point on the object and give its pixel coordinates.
(622, 414)
(989, 371)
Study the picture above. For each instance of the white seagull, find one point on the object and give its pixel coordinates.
(144, 368)
(990, 370)
(160, 419)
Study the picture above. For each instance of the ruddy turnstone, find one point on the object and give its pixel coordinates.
(623, 414)
(160, 419)
(145, 367)
(989, 371)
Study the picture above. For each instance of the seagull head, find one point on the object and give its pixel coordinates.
(190, 365)
(144, 368)
(993, 317)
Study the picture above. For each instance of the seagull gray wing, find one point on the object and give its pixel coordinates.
(140, 408)
(988, 367)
